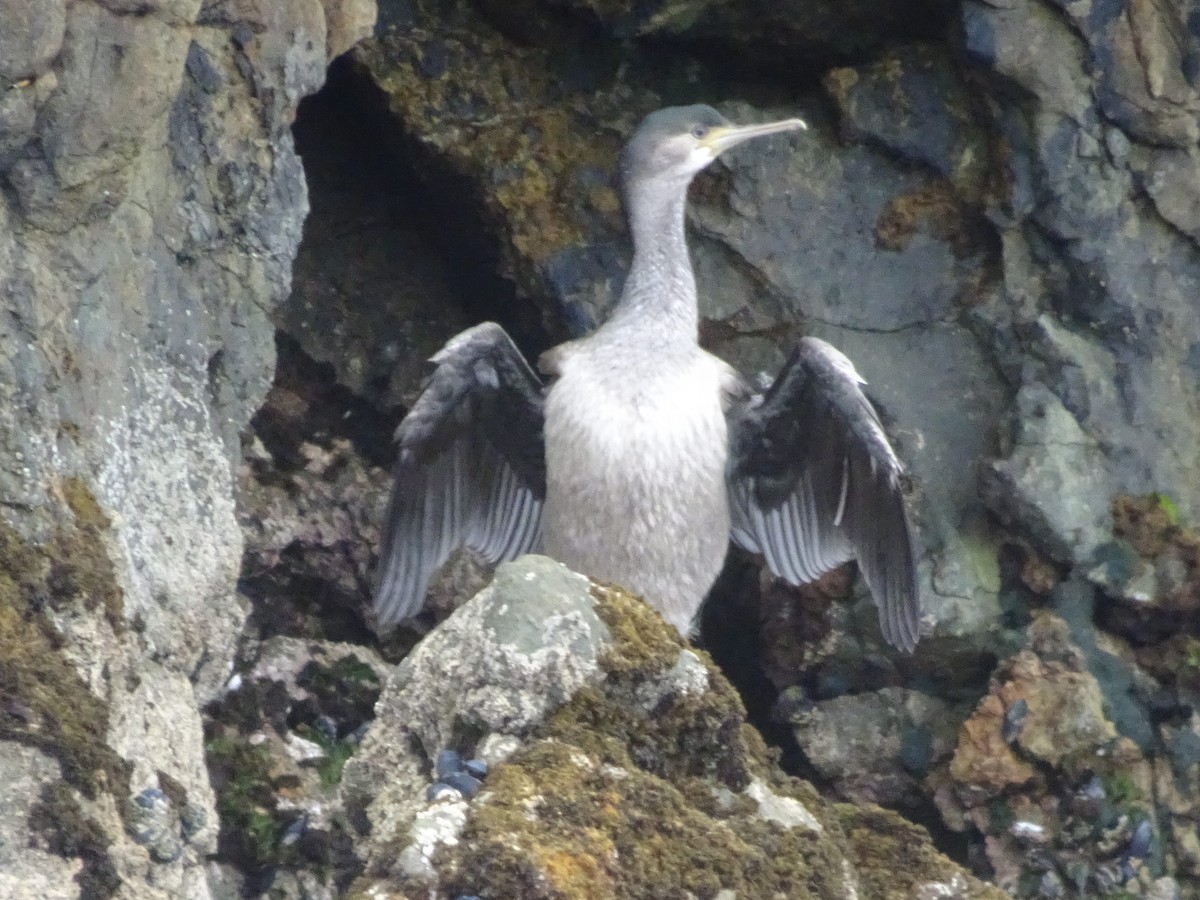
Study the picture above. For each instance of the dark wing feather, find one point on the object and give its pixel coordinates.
(813, 482)
(470, 469)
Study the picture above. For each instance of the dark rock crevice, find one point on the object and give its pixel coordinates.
(417, 218)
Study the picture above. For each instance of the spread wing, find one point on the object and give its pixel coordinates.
(470, 470)
(813, 482)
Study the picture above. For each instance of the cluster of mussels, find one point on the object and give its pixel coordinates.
(456, 778)
(1104, 846)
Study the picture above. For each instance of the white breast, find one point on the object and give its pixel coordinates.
(635, 486)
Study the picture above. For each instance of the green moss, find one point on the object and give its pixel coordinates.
(698, 735)
(242, 779)
(46, 702)
(1121, 789)
(1168, 506)
(1000, 814)
(174, 790)
(337, 753)
(336, 757)
(626, 792)
(1151, 524)
(67, 831)
(612, 798)
(642, 642)
(345, 689)
(83, 504)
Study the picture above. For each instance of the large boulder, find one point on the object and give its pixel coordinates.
(620, 765)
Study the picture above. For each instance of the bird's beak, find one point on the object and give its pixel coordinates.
(721, 139)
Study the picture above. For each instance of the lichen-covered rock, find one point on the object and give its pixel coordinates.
(32, 861)
(622, 767)
(492, 670)
(464, 102)
(1042, 771)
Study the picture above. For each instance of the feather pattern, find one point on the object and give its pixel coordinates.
(470, 469)
(813, 483)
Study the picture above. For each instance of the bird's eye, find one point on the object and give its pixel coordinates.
(699, 131)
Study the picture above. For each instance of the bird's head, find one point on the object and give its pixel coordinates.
(674, 144)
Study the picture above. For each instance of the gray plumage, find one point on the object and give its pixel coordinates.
(646, 454)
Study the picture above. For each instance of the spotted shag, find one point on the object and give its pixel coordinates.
(642, 455)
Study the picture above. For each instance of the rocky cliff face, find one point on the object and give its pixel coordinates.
(996, 214)
(152, 204)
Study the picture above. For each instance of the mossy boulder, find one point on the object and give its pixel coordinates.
(621, 766)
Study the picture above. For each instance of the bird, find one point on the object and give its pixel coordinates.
(639, 456)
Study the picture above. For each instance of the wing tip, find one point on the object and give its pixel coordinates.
(393, 602)
(900, 613)
(903, 635)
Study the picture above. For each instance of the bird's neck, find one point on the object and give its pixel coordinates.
(660, 290)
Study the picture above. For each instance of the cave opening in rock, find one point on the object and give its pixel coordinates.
(390, 266)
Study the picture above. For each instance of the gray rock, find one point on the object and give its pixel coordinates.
(31, 38)
(877, 747)
(1055, 484)
(28, 869)
(1172, 179)
(496, 667)
(785, 811)
(914, 102)
(865, 281)
(432, 829)
(1111, 291)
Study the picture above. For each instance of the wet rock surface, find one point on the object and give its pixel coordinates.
(876, 746)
